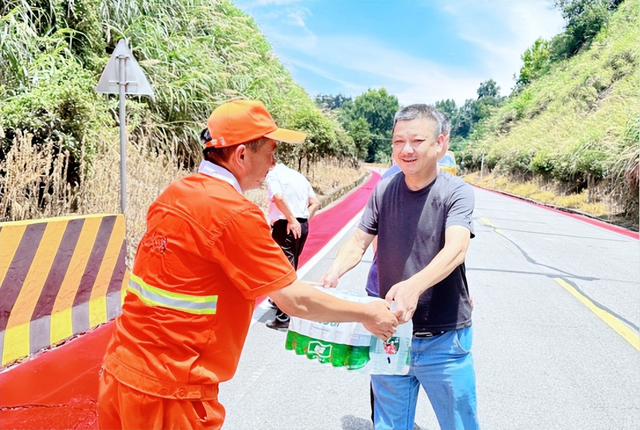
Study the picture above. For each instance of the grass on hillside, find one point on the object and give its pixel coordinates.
(33, 183)
(578, 125)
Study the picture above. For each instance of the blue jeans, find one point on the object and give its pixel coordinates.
(443, 365)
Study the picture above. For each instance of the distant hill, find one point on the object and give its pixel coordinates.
(578, 125)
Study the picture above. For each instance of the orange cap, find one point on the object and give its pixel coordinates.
(241, 121)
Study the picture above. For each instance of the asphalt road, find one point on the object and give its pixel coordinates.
(556, 317)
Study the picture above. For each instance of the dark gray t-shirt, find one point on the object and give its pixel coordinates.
(410, 226)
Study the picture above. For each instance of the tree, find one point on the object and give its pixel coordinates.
(464, 118)
(460, 123)
(488, 89)
(584, 19)
(330, 101)
(536, 61)
(377, 107)
(359, 131)
(449, 107)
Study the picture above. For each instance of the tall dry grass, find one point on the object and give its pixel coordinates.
(326, 177)
(29, 182)
(33, 183)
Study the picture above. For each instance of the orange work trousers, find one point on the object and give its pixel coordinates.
(121, 407)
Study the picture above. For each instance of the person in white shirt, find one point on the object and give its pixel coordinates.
(292, 203)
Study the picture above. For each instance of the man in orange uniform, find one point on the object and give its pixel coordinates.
(206, 256)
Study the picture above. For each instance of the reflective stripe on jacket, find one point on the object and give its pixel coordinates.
(154, 296)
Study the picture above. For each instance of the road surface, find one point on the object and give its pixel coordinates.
(556, 317)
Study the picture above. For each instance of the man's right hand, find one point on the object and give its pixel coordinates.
(381, 322)
(349, 254)
(295, 228)
(330, 278)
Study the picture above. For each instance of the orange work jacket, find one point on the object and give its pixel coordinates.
(206, 256)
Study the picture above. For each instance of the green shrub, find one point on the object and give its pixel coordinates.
(62, 106)
(543, 163)
(536, 61)
(197, 54)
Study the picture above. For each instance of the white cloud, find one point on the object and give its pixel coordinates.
(503, 31)
(286, 29)
(353, 87)
(296, 18)
(410, 78)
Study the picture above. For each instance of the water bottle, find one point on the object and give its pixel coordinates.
(337, 354)
(343, 344)
(392, 357)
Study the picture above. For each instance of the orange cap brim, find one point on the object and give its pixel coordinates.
(285, 135)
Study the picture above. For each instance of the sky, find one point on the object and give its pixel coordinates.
(421, 51)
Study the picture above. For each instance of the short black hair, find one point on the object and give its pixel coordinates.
(205, 136)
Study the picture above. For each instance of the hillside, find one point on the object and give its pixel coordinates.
(577, 126)
(59, 139)
(196, 53)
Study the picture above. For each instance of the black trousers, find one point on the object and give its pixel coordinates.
(291, 247)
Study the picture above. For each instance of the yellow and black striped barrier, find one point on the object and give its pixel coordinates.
(58, 277)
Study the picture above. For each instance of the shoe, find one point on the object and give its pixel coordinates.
(276, 324)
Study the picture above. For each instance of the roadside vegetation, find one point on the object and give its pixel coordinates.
(572, 123)
(37, 186)
(197, 54)
(59, 138)
(541, 192)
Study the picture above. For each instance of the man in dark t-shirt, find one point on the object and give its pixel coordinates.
(423, 220)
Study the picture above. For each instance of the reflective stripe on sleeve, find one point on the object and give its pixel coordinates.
(154, 296)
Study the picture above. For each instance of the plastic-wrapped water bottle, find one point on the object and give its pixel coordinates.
(350, 345)
(392, 357)
(339, 344)
(337, 354)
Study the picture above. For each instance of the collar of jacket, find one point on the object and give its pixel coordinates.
(218, 172)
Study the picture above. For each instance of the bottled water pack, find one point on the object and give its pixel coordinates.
(350, 345)
(392, 357)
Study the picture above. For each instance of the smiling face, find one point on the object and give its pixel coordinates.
(416, 149)
(257, 164)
